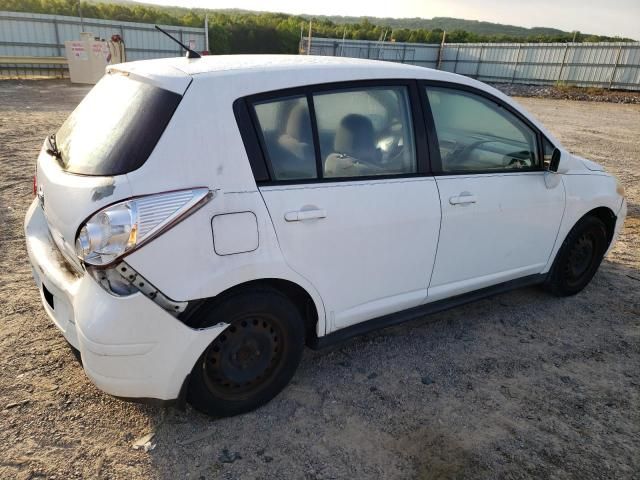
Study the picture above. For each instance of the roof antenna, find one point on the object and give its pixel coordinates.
(190, 53)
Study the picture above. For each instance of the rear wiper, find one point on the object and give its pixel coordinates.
(52, 146)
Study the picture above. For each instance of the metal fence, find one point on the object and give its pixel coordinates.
(605, 65)
(39, 39)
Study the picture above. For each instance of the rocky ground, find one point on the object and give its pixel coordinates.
(562, 92)
(517, 386)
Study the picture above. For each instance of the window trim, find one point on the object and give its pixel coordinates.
(250, 141)
(255, 147)
(434, 146)
(544, 138)
(315, 136)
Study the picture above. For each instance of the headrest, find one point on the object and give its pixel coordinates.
(355, 137)
(299, 125)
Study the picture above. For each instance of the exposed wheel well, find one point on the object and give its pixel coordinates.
(607, 217)
(298, 296)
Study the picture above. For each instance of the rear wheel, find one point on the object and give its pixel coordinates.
(253, 359)
(578, 258)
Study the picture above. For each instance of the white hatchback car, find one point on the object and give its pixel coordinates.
(197, 221)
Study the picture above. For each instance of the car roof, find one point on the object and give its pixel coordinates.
(261, 73)
(276, 71)
(325, 68)
(224, 64)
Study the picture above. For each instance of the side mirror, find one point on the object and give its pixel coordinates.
(555, 160)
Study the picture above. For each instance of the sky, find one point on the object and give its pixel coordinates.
(604, 17)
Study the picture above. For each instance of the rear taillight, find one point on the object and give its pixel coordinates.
(120, 228)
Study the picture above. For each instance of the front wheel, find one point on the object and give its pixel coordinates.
(578, 258)
(251, 361)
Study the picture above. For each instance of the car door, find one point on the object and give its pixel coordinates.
(499, 218)
(354, 210)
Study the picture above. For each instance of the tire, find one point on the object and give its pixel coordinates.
(578, 258)
(252, 360)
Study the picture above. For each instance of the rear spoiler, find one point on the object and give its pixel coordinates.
(155, 72)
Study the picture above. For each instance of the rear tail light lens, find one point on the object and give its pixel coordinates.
(123, 227)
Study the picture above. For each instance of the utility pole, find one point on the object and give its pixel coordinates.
(564, 60)
(615, 67)
(384, 37)
(300, 50)
(441, 51)
(80, 15)
(309, 41)
(206, 33)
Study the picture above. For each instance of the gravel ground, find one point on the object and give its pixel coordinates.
(521, 385)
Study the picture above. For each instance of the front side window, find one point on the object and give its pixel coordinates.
(478, 135)
(365, 132)
(285, 125)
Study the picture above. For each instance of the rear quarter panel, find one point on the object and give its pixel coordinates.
(202, 147)
(184, 265)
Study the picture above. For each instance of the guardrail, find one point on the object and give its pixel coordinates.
(16, 67)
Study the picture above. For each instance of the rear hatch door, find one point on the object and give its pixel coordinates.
(112, 132)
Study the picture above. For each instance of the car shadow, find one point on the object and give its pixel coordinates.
(459, 392)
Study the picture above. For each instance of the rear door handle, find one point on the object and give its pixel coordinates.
(304, 215)
(464, 198)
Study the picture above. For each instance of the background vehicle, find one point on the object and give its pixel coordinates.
(199, 220)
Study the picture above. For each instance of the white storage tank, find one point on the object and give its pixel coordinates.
(89, 56)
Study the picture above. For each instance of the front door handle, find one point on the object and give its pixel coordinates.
(464, 198)
(301, 215)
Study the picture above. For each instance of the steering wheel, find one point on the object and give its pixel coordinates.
(459, 155)
(515, 163)
(389, 144)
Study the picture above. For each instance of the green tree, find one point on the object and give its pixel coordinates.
(248, 32)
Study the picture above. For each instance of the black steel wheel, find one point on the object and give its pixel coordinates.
(244, 357)
(578, 258)
(253, 358)
(581, 257)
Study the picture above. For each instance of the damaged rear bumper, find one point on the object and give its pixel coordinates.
(130, 347)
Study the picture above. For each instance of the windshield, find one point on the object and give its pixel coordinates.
(115, 127)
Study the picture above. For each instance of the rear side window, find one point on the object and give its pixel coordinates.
(477, 135)
(365, 132)
(115, 127)
(285, 125)
(360, 132)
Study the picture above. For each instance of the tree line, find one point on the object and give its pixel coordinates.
(236, 31)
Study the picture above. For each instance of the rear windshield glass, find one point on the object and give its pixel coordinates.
(115, 128)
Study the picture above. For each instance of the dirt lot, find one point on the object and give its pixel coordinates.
(515, 386)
